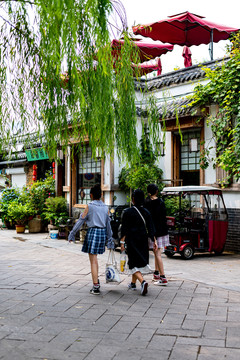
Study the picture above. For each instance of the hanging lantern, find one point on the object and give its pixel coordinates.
(53, 166)
(34, 167)
(34, 177)
(34, 172)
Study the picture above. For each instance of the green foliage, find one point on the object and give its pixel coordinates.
(17, 205)
(224, 90)
(144, 172)
(19, 212)
(56, 210)
(39, 191)
(56, 65)
(8, 195)
(172, 205)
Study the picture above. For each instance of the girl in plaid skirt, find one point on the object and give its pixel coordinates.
(99, 230)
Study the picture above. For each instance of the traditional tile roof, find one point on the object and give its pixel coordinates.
(167, 109)
(177, 77)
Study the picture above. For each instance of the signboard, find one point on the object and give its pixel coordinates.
(89, 180)
(36, 154)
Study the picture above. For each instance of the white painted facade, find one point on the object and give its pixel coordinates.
(170, 93)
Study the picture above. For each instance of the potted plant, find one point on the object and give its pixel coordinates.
(8, 195)
(56, 212)
(20, 214)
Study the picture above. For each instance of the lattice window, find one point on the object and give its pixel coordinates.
(89, 174)
(190, 151)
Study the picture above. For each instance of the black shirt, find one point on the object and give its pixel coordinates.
(157, 210)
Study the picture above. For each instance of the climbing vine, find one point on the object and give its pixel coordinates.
(223, 90)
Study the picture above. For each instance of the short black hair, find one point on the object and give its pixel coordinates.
(138, 196)
(152, 189)
(96, 192)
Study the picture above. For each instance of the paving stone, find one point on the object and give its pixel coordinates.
(200, 342)
(196, 325)
(162, 342)
(215, 330)
(123, 327)
(141, 334)
(232, 340)
(182, 352)
(46, 311)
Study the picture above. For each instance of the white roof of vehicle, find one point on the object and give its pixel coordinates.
(192, 188)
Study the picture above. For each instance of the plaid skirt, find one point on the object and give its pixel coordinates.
(162, 241)
(95, 241)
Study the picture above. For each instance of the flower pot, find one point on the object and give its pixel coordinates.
(20, 229)
(53, 234)
(35, 225)
(9, 225)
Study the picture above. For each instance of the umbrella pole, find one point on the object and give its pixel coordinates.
(211, 45)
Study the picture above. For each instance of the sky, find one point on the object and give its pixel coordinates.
(219, 12)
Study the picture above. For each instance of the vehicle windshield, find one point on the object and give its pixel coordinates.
(216, 208)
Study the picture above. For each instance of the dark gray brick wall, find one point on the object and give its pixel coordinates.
(233, 236)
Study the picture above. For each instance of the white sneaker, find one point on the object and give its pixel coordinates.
(144, 288)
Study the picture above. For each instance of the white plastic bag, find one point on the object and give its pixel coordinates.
(111, 272)
(123, 261)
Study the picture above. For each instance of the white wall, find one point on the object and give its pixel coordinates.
(210, 172)
(232, 199)
(18, 180)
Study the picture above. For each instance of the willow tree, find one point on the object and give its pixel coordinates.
(58, 77)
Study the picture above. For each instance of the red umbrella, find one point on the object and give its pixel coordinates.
(185, 29)
(187, 56)
(144, 69)
(147, 51)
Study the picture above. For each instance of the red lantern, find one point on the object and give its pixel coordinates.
(34, 178)
(53, 170)
(53, 176)
(53, 164)
(34, 172)
(34, 167)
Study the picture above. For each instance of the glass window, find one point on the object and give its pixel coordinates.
(89, 174)
(190, 151)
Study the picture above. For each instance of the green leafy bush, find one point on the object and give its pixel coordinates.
(19, 212)
(172, 205)
(38, 192)
(140, 177)
(56, 210)
(141, 174)
(8, 196)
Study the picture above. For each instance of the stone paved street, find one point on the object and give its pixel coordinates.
(46, 311)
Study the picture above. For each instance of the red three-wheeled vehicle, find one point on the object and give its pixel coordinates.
(201, 222)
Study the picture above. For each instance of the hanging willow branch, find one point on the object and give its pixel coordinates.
(58, 77)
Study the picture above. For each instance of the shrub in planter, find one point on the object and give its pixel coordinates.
(19, 212)
(8, 196)
(38, 192)
(56, 211)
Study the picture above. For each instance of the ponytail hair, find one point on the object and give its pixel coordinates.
(96, 192)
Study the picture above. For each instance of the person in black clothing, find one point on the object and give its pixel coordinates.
(137, 226)
(157, 210)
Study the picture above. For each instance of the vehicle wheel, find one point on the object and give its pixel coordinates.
(169, 253)
(187, 253)
(219, 252)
